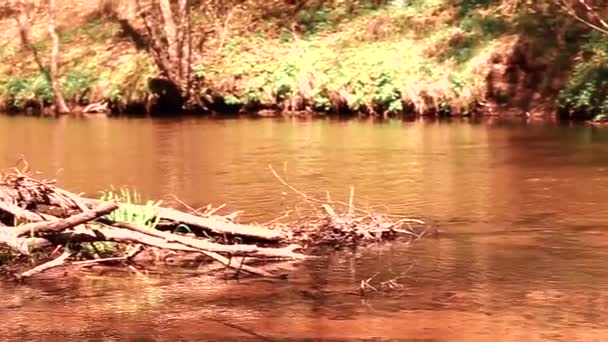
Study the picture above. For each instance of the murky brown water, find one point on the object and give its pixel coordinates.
(523, 207)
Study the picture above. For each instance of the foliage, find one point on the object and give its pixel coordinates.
(132, 210)
(232, 100)
(320, 99)
(22, 89)
(459, 81)
(387, 94)
(587, 89)
(422, 46)
(253, 96)
(283, 81)
(314, 20)
(103, 248)
(77, 83)
(130, 82)
(467, 6)
(488, 26)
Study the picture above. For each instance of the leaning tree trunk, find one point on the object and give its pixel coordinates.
(60, 106)
(23, 21)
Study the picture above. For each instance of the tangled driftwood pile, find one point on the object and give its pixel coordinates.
(37, 217)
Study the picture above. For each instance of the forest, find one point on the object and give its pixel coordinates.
(380, 58)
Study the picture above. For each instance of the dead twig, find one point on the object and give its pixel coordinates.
(46, 266)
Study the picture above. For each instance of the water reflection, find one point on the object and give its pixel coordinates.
(522, 257)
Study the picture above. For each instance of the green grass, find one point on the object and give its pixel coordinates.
(17, 90)
(77, 82)
(129, 82)
(347, 57)
(132, 209)
(403, 54)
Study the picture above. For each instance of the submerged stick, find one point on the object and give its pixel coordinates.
(136, 249)
(46, 266)
(226, 262)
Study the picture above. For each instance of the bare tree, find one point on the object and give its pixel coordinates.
(170, 33)
(60, 106)
(24, 18)
(588, 12)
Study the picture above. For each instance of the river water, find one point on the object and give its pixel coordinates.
(521, 207)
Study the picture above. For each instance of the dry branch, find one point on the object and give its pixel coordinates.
(46, 266)
(59, 225)
(203, 245)
(217, 225)
(21, 244)
(22, 214)
(82, 234)
(220, 227)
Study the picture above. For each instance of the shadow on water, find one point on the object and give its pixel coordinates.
(521, 255)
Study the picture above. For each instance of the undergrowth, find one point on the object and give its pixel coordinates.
(387, 57)
(586, 92)
(376, 62)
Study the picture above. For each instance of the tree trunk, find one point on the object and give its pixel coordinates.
(23, 20)
(170, 29)
(60, 106)
(185, 50)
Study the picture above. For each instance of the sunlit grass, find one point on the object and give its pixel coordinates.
(132, 209)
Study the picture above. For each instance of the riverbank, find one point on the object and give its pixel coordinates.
(427, 58)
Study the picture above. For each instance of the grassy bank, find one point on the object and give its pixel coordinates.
(420, 57)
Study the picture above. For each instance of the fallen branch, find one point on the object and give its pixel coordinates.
(21, 244)
(46, 266)
(22, 214)
(227, 262)
(82, 234)
(220, 227)
(207, 246)
(215, 225)
(136, 249)
(59, 225)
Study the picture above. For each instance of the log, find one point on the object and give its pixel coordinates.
(214, 225)
(23, 245)
(63, 224)
(24, 214)
(82, 234)
(220, 227)
(204, 245)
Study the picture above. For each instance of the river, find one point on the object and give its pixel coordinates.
(521, 208)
